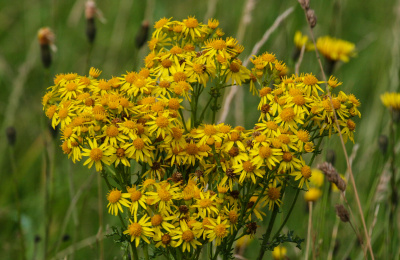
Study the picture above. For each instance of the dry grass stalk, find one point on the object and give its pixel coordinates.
(77, 246)
(300, 60)
(72, 206)
(310, 204)
(211, 7)
(360, 210)
(255, 50)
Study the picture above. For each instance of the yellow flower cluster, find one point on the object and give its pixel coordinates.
(194, 182)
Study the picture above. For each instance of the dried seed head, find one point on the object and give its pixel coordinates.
(383, 143)
(251, 228)
(142, 34)
(256, 133)
(46, 40)
(311, 17)
(11, 134)
(342, 213)
(250, 204)
(177, 177)
(305, 4)
(46, 36)
(332, 175)
(235, 194)
(183, 209)
(199, 173)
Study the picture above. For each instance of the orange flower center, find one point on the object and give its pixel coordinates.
(265, 91)
(310, 80)
(248, 166)
(162, 122)
(135, 195)
(233, 217)
(287, 114)
(166, 63)
(135, 229)
(265, 152)
(218, 44)
(166, 239)
(164, 194)
(271, 125)
(299, 100)
(210, 130)
(156, 220)
(351, 125)
(187, 235)
(131, 77)
(234, 67)
(204, 203)
(191, 22)
(71, 86)
(179, 76)
(192, 149)
(287, 156)
(176, 50)
(303, 136)
(114, 196)
(164, 84)
(63, 113)
(138, 143)
(306, 171)
(112, 131)
(96, 154)
(198, 68)
(273, 193)
(220, 230)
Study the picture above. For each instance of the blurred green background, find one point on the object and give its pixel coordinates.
(374, 27)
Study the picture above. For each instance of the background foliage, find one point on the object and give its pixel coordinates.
(23, 80)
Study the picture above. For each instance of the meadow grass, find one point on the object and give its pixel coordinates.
(42, 173)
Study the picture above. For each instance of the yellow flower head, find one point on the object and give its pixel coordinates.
(391, 100)
(336, 49)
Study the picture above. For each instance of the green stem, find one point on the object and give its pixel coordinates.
(89, 54)
(183, 120)
(134, 254)
(288, 215)
(146, 251)
(393, 196)
(268, 233)
(18, 204)
(204, 110)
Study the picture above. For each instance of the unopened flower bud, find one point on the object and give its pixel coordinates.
(90, 9)
(312, 18)
(46, 40)
(342, 213)
(11, 134)
(383, 143)
(142, 34)
(90, 30)
(331, 156)
(53, 131)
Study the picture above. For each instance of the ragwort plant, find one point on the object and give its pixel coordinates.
(181, 185)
